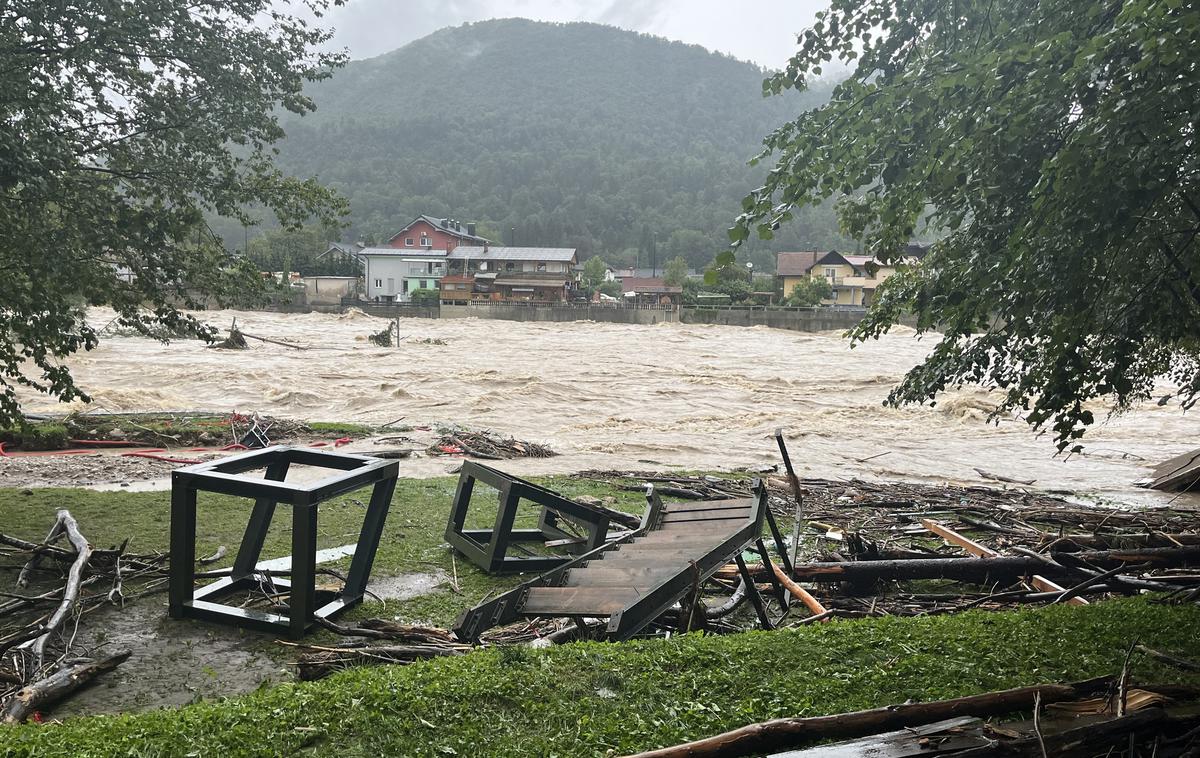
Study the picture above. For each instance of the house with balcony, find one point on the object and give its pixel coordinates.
(391, 274)
(509, 274)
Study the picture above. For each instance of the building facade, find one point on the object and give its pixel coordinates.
(510, 274)
(392, 275)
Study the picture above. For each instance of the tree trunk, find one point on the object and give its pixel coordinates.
(782, 734)
(56, 686)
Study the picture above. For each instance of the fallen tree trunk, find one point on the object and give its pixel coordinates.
(782, 734)
(980, 569)
(55, 687)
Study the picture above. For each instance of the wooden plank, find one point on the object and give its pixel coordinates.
(729, 514)
(953, 537)
(982, 551)
(577, 601)
(707, 505)
(619, 576)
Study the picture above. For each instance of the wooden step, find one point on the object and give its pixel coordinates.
(578, 601)
(599, 575)
(707, 505)
(727, 514)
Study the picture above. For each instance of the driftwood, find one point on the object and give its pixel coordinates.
(782, 734)
(83, 552)
(56, 686)
(810, 602)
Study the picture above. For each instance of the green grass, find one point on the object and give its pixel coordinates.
(604, 699)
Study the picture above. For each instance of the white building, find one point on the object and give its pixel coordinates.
(393, 274)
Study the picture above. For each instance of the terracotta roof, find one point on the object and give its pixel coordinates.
(795, 264)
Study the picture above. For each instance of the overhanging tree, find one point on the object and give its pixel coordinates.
(1053, 144)
(124, 126)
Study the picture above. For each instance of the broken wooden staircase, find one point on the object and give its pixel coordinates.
(632, 580)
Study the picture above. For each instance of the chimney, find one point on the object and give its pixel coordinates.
(471, 228)
(485, 247)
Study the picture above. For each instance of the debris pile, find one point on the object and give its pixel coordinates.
(38, 665)
(486, 446)
(899, 548)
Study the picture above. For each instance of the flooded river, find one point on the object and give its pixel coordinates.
(625, 396)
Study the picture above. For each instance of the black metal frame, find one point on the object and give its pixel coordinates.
(488, 548)
(624, 624)
(223, 476)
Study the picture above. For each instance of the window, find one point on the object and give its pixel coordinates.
(508, 266)
(830, 272)
(378, 282)
(425, 241)
(541, 267)
(408, 241)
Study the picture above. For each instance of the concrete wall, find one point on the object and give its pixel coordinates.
(561, 313)
(798, 320)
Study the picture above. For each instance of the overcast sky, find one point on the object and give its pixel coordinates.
(763, 31)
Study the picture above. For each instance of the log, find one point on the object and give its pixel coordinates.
(83, 554)
(977, 569)
(982, 551)
(810, 602)
(787, 733)
(57, 686)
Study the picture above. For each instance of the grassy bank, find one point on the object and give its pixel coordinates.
(601, 699)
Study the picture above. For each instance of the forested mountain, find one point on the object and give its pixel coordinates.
(569, 134)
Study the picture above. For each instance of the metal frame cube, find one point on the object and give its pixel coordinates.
(224, 476)
(488, 548)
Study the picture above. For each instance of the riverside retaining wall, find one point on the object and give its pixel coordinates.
(797, 320)
(608, 314)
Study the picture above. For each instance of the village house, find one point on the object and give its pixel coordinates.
(522, 274)
(392, 274)
(853, 278)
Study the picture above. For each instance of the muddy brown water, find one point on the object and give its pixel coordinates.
(628, 396)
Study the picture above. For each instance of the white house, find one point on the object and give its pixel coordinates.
(393, 274)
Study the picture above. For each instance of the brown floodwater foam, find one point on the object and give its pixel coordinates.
(627, 396)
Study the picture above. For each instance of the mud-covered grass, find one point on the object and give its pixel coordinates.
(413, 539)
(612, 699)
(158, 429)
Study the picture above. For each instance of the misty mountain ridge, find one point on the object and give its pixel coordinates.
(568, 133)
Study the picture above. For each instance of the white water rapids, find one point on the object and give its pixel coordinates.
(626, 396)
